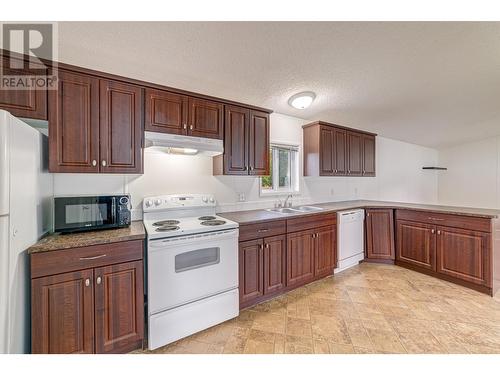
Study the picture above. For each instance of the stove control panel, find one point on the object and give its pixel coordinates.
(178, 201)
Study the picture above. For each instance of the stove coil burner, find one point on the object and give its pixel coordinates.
(166, 222)
(167, 228)
(213, 222)
(205, 218)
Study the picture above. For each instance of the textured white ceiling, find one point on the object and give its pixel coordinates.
(433, 84)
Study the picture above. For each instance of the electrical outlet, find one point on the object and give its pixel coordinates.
(241, 197)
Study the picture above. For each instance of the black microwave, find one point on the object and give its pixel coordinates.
(76, 214)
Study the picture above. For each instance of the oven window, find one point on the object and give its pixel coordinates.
(197, 259)
(96, 213)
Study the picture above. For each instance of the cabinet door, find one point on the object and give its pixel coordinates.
(119, 308)
(74, 124)
(300, 258)
(416, 244)
(380, 234)
(464, 254)
(354, 154)
(29, 103)
(62, 313)
(121, 128)
(368, 155)
(236, 135)
(205, 118)
(251, 272)
(166, 112)
(258, 145)
(324, 251)
(326, 151)
(339, 152)
(274, 264)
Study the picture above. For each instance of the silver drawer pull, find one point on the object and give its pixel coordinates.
(87, 282)
(92, 258)
(435, 219)
(263, 230)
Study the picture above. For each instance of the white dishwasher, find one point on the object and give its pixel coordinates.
(350, 237)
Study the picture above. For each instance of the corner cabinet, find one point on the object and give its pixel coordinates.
(96, 125)
(246, 143)
(333, 150)
(88, 299)
(379, 226)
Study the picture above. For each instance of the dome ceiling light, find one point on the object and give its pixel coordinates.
(302, 100)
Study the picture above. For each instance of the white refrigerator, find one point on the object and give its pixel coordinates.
(26, 193)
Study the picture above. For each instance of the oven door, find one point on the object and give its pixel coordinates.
(84, 213)
(187, 269)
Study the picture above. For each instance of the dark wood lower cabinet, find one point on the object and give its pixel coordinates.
(62, 316)
(379, 226)
(300, 258)
(251, 272)
(416, 244)
(99, 309)
(274, 264)
(464, 254)
(324, 252)
(119, 312)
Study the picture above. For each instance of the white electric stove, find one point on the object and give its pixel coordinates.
(192, 262)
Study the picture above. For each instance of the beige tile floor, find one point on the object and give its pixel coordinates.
(371, 308)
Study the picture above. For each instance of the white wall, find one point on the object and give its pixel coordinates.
(473, 175)
(399, 176)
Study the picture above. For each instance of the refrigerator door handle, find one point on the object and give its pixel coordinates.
(4, 163)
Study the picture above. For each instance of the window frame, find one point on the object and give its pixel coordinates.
(293, 169)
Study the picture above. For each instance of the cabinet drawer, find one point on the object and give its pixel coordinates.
(456, 221)
(79, 258)
(310, 222)
(260, 230)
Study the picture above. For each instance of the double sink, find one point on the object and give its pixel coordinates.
(295, 210)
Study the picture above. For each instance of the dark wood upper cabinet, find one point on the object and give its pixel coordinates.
(380, 234)
(333, 150)
(368, 155)
(119, 312)
(95, 126)
(416, 244)
(354, 154)
(236, 135)
(464, 254)
(327, 151)
(246, 143)
(62, 315)
(324, 252)
(166, 112)
(251, 270)
(274, 264)
(74, 124)
(258, 145)
(206, 118)
(29, 103)
(121, 128)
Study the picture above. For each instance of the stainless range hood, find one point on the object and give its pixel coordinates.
(183, 144)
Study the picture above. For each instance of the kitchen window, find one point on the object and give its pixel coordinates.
(284, 171)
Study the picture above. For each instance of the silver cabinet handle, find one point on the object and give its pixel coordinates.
(251, 168)
(87, 282)
(336, 171)
(185, 126)
(103, 163)
(435, 219)
(94, 163)
(439, 232)
(263, 230)
(267, 246)
(98, 280)
(432, 231)
(191, 127)
(95, 257)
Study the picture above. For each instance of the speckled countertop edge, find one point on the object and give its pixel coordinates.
(262, 215)
(55, 241)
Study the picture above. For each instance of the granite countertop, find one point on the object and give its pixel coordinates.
(58, 241)
(254, 216)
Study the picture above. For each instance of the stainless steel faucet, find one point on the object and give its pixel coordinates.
(289, 196)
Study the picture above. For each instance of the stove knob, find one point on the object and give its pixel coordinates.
(204, 199)
(157, 202)
(148, 203)
(212, 200)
